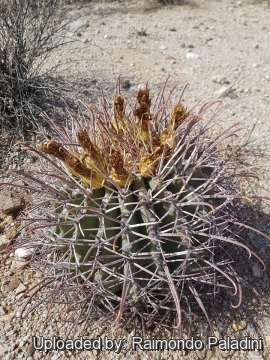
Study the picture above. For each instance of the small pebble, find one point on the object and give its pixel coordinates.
(2, 310)
(191, 55)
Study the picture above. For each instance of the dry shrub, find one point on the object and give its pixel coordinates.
(29, 32)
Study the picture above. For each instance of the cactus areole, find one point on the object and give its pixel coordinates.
(135, 204)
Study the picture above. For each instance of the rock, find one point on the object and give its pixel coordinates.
(125, 83)
(256, 270)
(219, 79)
(142, 31)
(18, 264)
(10, 203)
(10, 355)
(30, 350)
(21, 344)
(24, 252)
(3, 242)
(191, 55)
(2, 350)
(2, 310)
(26, 338)
(222, 90)
(8, 317)
(7, 327)
(77, 25)
(232, 94)
(170, 57)
(239, 325)
(21, 288)
(243, 22)
(86, 92)
(13, 284)
(11, 332)
(226, 91)
(240, 14)
(3, 338)
(255, 355)
(141, 86)
(11, 232)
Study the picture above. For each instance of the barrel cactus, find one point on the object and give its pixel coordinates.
(131, 205)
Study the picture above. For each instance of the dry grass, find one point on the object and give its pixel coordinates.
(29, 32)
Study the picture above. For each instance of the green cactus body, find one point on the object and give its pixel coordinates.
(141, 225)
